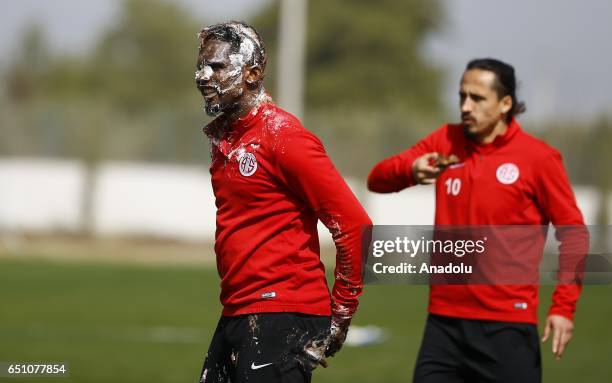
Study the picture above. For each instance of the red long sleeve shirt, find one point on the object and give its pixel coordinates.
(515, 180)
(272, 182)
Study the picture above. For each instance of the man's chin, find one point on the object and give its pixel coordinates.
(470, 130)
(213, 110)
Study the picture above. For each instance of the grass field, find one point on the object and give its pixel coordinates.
(122, 323)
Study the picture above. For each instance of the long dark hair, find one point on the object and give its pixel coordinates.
(505, 83)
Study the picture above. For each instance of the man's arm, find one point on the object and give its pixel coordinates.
(411, 167)
(309, 173)
(557, 200)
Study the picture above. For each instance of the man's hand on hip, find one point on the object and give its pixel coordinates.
(337, 336)
(327, 345)
(562, 329)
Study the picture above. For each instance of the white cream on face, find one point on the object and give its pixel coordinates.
(231, 78)
(247, 49)
(238, 61)
(236, 76)
(204, 74)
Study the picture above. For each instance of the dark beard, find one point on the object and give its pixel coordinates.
(466, 131)
(213, 110)
(224, 118)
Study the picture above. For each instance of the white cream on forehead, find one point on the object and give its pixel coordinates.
(248, 44)
(247, 48)
(247, 32)
(239, 60)
(244, 55)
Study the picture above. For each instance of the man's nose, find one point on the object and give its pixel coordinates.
(466, 105)
(203, 75)
(200, 79)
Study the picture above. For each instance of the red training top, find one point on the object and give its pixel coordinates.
(272, 181)
(515, 180)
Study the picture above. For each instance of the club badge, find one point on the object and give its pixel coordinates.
(507, 173)
(247, 164)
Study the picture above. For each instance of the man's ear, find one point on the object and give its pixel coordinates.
(253, 75)
(506, 104)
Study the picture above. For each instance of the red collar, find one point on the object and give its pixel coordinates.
(239, 127)
(501, 140)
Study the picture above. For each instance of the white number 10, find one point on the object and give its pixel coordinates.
(453, 186)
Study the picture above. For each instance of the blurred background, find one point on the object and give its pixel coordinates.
(106, 209)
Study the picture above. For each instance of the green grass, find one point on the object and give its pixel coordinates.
(119, 323)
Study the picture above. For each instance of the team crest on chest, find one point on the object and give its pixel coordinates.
(247, 164)
(507, 173)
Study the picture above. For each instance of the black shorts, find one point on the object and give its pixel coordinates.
(465, 350)
(261, 348)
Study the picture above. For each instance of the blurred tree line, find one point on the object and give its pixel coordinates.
(132, 97)
(368, 86)
(370, 92)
